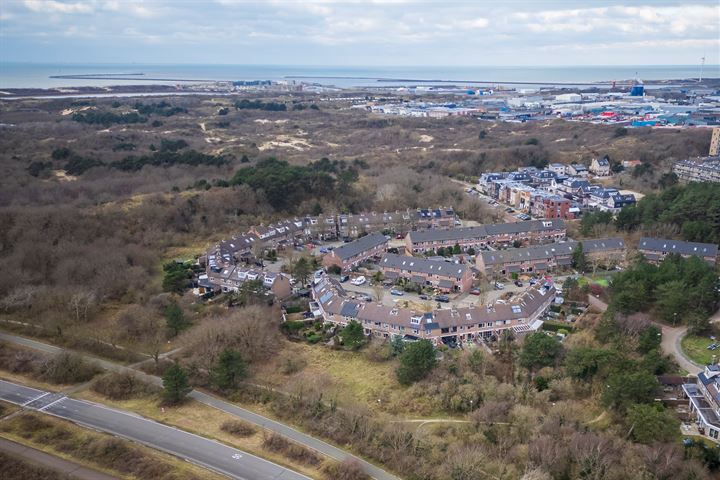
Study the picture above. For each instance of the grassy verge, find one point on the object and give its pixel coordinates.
(7, 409)
(695, 347)
(206, 421)
(11, 467)
(102, 452)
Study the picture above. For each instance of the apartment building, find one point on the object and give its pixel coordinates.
(701, 170)
(451, 325)
(532, 231)
(542, 258)
(704, 401)
(445, 276)
(351, 254)
(656, 249)
(600, 167)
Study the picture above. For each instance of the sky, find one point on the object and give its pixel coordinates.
(387, 33)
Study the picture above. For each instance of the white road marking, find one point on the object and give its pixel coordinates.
(52, 403)
(36, 398)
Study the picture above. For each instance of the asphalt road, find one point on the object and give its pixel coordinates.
(202, 451)
(227, 407)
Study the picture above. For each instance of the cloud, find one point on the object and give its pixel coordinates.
(55, 6)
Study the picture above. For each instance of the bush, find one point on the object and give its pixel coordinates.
(122, 386)
(67, 368)
(279, 444)
(15, 468)
(348, 469)
(238, 428)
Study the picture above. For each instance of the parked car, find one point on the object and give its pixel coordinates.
(518, 283)
(344, 278)
(397, 292)
(358, 280)
(324, 250)
(424, 297)
(475, 291)
(399, 236)
(499, 286)
(442, 298)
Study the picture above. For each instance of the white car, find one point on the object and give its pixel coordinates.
(358, 280)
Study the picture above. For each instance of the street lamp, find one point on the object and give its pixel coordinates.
(674, 319)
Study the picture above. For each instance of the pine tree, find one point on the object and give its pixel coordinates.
(229, 370)
(175, 318)
(175, 384)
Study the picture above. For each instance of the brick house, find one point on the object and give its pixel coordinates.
(353, 253)
(446, 276)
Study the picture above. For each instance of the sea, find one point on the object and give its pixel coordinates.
(39, 75)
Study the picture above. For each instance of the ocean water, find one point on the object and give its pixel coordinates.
(37, 75)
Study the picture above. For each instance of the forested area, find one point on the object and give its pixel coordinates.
(693, 210)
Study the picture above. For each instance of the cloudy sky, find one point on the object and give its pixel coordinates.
(392, 32)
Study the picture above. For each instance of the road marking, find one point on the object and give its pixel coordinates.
(51, 404)
(36, 398)
(237, 456)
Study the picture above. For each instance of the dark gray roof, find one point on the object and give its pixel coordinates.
(552, 250)
(360, 245)
(677, 246)
(349, 309)
(422, 265)
(481, 231)
(445, 284)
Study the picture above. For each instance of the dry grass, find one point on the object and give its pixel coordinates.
(205, 421)
(14, 430)
(352, 376)
(7, 409)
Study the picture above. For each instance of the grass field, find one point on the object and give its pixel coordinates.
(602, 281)
(695, 348)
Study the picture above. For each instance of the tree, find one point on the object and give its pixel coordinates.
(671, 300)
(652, 423)
(175, 384)
(456, 250)
(230, 369)
(353, 335)
(539, 350)
(175, 318)
(625, 388)
(585, 363)
(176, 276)
(301, 270)
(416, 362)
(698, 323)
(650, 339)
(579, 260)
(397, 345)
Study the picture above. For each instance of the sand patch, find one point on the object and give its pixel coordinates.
(70, 111)
(286, 141)
(63, 176)
(426, 138)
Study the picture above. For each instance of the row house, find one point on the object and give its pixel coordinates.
(445, 276)
(351, 254)
(323, 227)
(542, 178)
(231, 278)
(281, 232)
(352, 225)
(230, 251)
(704, 401)
(451, 325)
(486, 183)
(656, 249)
(543, 258)
(532, 231)
(618, 201)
